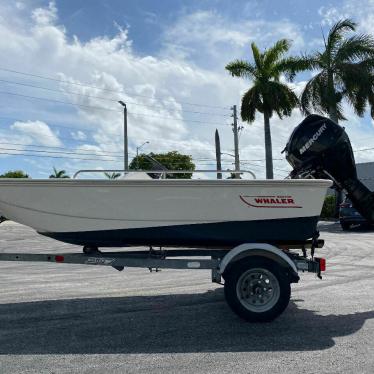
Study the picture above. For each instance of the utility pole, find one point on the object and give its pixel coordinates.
(236, 141)
(125, 139)
(218, 154)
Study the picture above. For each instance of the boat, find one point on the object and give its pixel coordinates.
(166, 212)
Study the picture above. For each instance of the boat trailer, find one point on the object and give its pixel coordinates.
(257, 276)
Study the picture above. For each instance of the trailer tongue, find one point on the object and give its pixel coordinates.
(319, 148)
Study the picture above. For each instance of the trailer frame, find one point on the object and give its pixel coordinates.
(263, 258)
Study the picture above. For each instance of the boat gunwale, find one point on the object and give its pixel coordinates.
(164, 182)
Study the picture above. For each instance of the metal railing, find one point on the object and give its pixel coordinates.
(163, 172)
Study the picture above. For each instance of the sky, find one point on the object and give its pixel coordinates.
(66, 63)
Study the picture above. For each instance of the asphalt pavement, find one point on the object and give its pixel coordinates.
(58, 318)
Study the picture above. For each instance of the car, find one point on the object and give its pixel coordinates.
(349, 216)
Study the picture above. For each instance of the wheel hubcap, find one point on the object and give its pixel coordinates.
(258, 290)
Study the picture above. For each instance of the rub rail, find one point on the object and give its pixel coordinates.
(163, 172)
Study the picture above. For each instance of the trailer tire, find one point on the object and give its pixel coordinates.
(345, 226)
(257, 289)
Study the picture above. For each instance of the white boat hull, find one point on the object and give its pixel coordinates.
(165, 212)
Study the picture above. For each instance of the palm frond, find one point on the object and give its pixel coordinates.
(357, 98)
(371, 103)
(310, 99)
(369, 94)
(281, 99)
(351, 76)
(267, 94)
(290, 66)
(276, 51)
(251, 101)
(240, 68)
(337, 32)
(355, 48)
(257, 56)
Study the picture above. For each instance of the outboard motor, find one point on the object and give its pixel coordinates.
(320, 148)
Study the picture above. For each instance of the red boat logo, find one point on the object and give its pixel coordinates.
(270, 201)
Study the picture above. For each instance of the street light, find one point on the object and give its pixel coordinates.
(125, 139)
(137, 154)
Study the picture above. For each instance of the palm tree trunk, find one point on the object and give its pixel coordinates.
(333, 113)
(333, 110)
(268, 147)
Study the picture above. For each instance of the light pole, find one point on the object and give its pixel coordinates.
(125, 139)
(137, 154)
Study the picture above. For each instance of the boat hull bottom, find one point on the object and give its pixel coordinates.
(210, 235)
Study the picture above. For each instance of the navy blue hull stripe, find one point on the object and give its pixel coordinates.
(221, 234)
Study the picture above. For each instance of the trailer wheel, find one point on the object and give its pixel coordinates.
(257, 289)
(345, 226)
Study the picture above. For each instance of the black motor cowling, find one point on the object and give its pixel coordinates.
(320, 148)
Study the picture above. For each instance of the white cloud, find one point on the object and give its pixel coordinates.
(211, 40)
(43, 16)
(38, 131)
(331, 15)
(362, 14)
(78, 135)
(20, 5)
(157, 88)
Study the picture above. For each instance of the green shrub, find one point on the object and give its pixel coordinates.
(14, 174)
(328, 209)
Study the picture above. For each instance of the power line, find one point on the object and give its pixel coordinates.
(178, 119)
(60, 101)
(264, 159)
(47, 156)
(363, 149)
(261, 167)
(108, 109)
(106, 99)
(53, 147)
(74, 158)
(59, 152)
(79, 152)
(102, 89)
(53, 125)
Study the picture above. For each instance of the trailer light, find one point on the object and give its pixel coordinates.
(322, 264)
(59, 258)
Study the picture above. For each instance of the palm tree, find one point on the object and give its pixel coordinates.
(345, 71)
(112, 175)
(59, 174)
(267, 93)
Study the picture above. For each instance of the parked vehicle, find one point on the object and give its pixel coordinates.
(349, 216)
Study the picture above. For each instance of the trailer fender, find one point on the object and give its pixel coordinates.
(262, 250)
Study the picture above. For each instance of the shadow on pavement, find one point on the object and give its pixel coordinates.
(162, 324)
(335, 228)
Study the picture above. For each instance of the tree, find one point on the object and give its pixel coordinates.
(345, 71)
(59, 174)
(267, 93)
(171, 160)
(14, 174)
(112, 175)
